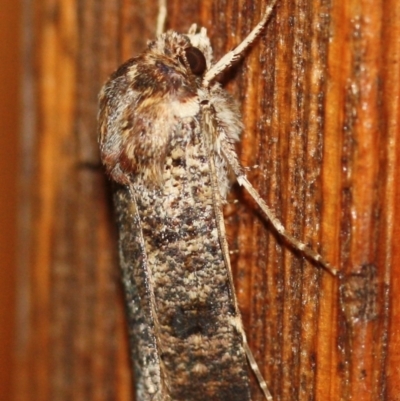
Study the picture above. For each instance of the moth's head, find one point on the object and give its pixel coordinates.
(192, 51)
(200, 40)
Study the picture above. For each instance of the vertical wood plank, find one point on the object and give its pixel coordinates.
(10, 68)
(320, 102)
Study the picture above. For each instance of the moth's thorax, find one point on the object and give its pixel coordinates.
(148, 100)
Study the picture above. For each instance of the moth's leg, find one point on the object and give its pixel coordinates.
(232, 159)
(161, 17)
(301, 246)
(231, 57)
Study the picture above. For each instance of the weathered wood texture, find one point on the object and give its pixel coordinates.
(320, 100)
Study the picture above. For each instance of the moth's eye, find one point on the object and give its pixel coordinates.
(196, 60)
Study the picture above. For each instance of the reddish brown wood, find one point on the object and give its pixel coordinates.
(10, 68)
(320, 101)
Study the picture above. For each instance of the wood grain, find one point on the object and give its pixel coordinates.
(320, 100)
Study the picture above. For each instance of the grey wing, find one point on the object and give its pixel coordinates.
(135, 279)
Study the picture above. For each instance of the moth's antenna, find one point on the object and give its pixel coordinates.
(161, 17)
(235, 54)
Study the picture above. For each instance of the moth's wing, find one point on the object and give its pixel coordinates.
(210, 132)
(141, 322)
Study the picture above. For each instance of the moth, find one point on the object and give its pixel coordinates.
(167, 132)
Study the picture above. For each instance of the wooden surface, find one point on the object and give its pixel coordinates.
(10, 68)
(320, 100)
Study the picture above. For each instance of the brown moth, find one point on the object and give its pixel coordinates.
(167, 131)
